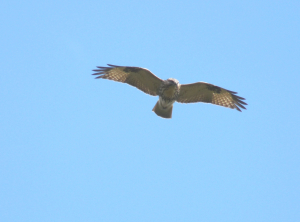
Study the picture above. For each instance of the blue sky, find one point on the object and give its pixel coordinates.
(78, 149)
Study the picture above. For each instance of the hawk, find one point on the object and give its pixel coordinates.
(170, 90)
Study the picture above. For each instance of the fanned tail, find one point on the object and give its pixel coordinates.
(160, 111)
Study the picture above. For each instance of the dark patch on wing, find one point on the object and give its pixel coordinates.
(131, 69)
(213, 88)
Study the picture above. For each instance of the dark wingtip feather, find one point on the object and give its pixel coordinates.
(243, 102)
(101, 70)
(239, 104)
(232, 92)
(112, 65)
(238, 109)
(239, 97)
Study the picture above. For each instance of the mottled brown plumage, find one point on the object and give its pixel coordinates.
(170, 90)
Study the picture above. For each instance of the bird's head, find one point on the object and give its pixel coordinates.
(172, 81)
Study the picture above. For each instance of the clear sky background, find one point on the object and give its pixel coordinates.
(78, 149)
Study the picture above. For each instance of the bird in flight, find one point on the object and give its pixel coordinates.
(170, 91)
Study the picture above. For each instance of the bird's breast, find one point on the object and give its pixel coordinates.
(169, 92)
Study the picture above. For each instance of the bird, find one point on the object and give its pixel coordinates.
(170, 91)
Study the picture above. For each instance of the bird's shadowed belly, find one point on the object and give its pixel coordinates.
(169, 92)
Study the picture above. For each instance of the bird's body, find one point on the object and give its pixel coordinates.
(170, 91)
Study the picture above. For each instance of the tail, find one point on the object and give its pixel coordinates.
(160, 111)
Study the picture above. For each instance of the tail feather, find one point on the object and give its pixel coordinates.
(160, 111)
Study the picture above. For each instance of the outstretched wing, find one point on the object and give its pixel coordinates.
(140, 78)
(208, 93)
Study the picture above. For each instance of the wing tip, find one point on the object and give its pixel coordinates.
(238, 105)
(101, 70)
(113, 65)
